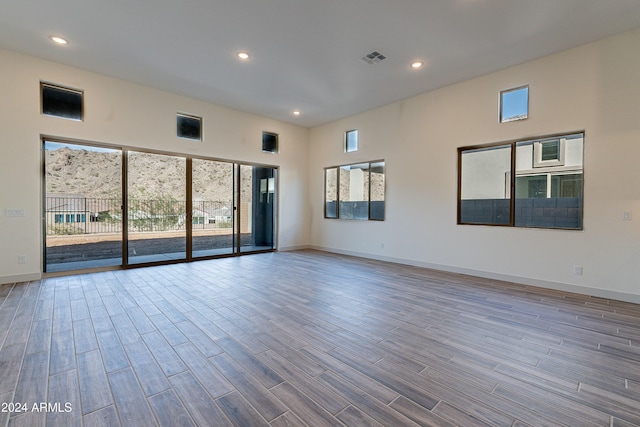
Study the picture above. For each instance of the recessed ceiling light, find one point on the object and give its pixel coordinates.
(58, 40)
(417, 64)
(296, 113)
(243, 55)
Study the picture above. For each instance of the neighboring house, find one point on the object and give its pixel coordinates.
(211, 213)
(548, 183)
(68, 213)
(550, 168)
(68, 209)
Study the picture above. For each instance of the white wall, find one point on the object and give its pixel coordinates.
(592, 88)
(122, 113)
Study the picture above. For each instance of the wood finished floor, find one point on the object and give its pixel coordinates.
(310, 338)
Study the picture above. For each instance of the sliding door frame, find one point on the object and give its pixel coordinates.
(124, 208)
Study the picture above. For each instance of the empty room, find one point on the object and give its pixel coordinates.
(330, 213)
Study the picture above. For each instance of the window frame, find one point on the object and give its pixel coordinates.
(59, 87)
(336, 196)
(512, 176)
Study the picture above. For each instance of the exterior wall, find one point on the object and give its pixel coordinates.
(573, 156)
(485, 177)
(592, 88)
(120, 113)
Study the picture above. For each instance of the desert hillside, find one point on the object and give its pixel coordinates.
(97, 174)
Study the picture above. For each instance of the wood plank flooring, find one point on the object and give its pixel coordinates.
(310, 338)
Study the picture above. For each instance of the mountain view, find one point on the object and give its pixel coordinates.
(73, 171)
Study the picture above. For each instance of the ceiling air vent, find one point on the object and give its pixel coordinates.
(373, 58)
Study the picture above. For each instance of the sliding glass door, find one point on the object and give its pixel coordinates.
(257, 208)
(82, 213)
(157, 207)
(213, 210)
(177, 208)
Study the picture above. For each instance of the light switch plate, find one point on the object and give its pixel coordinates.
(14, 212)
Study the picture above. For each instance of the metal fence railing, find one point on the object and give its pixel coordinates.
(82, 215)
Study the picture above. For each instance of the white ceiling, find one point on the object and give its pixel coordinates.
(305, 54)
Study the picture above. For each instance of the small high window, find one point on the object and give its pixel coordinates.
(269, 142)
(189, 127)
(58, 101)
(514, 104)
(351, 141)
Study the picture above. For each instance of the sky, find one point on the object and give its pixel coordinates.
(515, 103)
(53, 146)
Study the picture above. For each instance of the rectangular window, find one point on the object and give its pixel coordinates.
(355, 191)
(269, 142)
(351, 141)
(546, 176)
(189, 127)
(514, 104)
(58, 101)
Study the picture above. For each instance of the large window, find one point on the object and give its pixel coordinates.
(355, 191)
(532, 183)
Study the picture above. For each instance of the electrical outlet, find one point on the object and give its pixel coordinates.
(626, 216)
(577, 270)
(22, 259)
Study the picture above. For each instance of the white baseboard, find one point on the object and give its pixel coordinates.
(564, 287)
(20, 278)
(293, 248)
